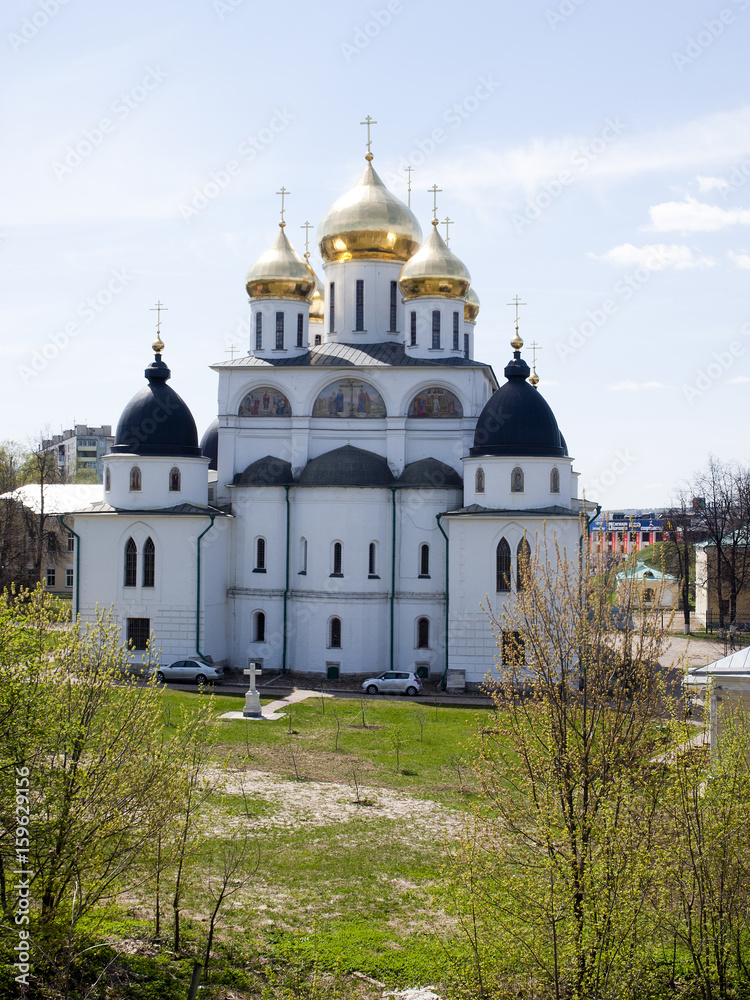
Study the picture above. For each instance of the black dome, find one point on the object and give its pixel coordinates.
(430, 473)
(210, 444)
(268, 471)
(517, 420)
(347, 466)
(157, 421)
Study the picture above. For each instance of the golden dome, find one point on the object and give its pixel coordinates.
(280, 274)
(369, 223)
(471, 306)
(317, 305)
(434, 270)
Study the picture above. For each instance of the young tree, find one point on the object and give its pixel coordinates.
(678, 550)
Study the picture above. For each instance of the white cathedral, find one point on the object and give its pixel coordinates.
(365, 487)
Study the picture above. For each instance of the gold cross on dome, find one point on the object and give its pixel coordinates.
(517, 343)
(307, 226)
(368, 122)
(534, 348)
(409, 170)
(158, 309)
(283, 194)
(434, 191)
(447, 221)
(231, 351)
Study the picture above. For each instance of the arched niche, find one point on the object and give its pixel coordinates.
(265, 401)
(349, 398)
(436, 402)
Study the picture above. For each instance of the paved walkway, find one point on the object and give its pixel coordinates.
(692, 652)
(274, 709)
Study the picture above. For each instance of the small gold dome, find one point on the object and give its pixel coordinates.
(434, 270)
(471, 306)
(280, 274)
(317, 305)
(369, 223)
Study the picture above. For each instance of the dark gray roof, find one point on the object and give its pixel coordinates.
(268, 471)
(347, 466)
(210, 444)
(352, 356)
(181, 509)
(476, 509)
(431, 473)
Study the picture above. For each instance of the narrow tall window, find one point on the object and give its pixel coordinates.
(516, 480)
(413, 329)
(436, 329)
(50, 576)
(334, 633)
(455, 332)
(337, 559)
(135, 479)
(71, 543)
(424, 560)
(279, 331)
(372, 566)
(502, 567)
(359, 324)
(466, 346)
(149, 561)
(523, 555)
(68, 576)
(300, 329)
(423, 633)
(258, 332)
(394, 301)
(259, 630)
(108, 480)
(332, 307)
(554, 481)
(260, 555)
(175, 480)
(302, 556)
(131, 563)
(479, 481)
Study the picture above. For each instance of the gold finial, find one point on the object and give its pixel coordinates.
(368, 122)
(307, 226)
(410, 171)
(517, 343)
(158, 344)
(534, 377)
(434, 191)
(283, 194)
(447, 221)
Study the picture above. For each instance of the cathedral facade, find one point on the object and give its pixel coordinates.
(367, 484)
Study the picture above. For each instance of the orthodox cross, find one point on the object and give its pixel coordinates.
(447, 221)
(534, 348)
(158, 309)
(434, 191)
(368, 122)
(231, 351)
(307, 227)
(409, 171)
(252, 671)
(517, 343)
(283, 194)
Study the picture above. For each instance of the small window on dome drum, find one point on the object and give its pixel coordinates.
(300, 328)
(175, 480)
(516, 480)
(455, 332)
(466, 346)
(332, 307)
(359, 324)
(554, 481)
(258, 332)
(479, 481)
(279, 331)
(135, 479)
(413, 330)
(108, 480)
(436, 329)
(394, 303)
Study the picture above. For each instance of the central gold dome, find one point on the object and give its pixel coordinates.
(369, 223)
(280, 274)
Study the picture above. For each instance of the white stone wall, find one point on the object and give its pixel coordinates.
(155, 480)
(377, 276)
(537, 473)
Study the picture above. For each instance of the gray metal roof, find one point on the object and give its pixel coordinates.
(431, 473)
(476, 510)
(181, 509)
(352, 356)
(347, 466)
(268, 471)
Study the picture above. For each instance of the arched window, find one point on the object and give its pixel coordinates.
(135, 479)
(554, 481)
(175, 480)
(424, 560)
(149, 562)
(523, 555)
(502, 567)
(108, 479)
(260, 555)
(337, 559)
(334, 633)
(372, 563)
(302, 556)
(423, 633)
(131, 563)
(259, 627)
(516, 480)
(479, 481)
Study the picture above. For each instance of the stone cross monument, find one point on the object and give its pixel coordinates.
(252, 698)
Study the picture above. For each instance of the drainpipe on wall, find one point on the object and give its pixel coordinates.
(198, 588)
(78, 565)
(447, 598)
(393, 567)
(286, 583)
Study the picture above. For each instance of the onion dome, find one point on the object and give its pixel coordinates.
(347, 466)
(471, 306)
(280, 274)
(210, 444)
(318, 303)
(369, 223)
(517, 420)
(435, 271)
(157, 421)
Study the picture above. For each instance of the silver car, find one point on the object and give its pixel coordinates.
(393, 682)
(192, 668)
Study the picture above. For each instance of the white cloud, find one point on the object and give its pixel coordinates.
(654, 256)
(712, 183)
(740, 259)
(636, 386)
(692, 216)
(738, 380)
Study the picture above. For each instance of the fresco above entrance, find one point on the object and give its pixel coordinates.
(265, 401)
(436, 401)
(349, 397)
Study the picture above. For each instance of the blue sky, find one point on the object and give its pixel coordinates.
(594, 156)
